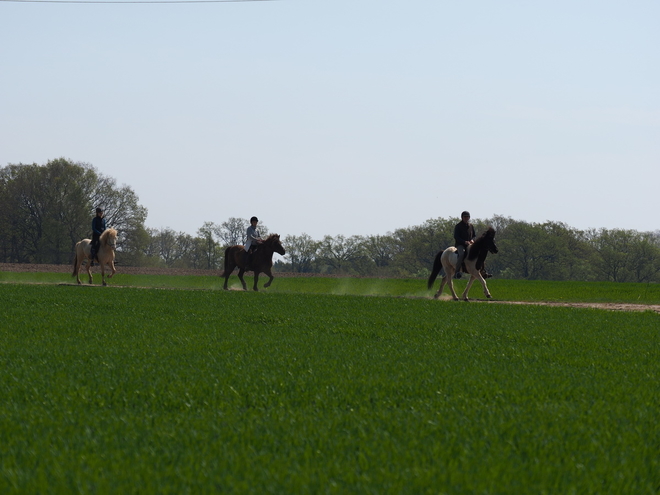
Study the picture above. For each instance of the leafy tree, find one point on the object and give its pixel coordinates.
(380, 249)
(340, 254)
(43, 209)
(48, 208)
(211, 251)
(185, 246)
(139, 248)
(416, 247)
(301, 252)
(644, 261)
(613, 247)
(626, 255)
(168, 246)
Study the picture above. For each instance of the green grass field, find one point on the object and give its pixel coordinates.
(305, 389)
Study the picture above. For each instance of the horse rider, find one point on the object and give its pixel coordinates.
(98, 227)
(464, 236)
(253, 239)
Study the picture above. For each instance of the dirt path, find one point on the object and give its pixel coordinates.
(607, 306)
(24, 267)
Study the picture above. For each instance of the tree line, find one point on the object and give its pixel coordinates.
(46, 209)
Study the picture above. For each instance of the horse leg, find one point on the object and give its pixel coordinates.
(89, 270)
(103, 274)
(226, 274)
(241, 271)
(450, 282)
(76, 269)
(270, 278)
(476, 275)
(442, 286)
(485, 287)
(256, 281)
(464, 296)
(113, 270)
(230, 264)
(450, 270)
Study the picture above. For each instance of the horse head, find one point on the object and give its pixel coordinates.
(109, 237)
(274, 243)
(489, 237)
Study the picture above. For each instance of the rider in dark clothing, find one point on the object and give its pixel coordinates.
(98, 226)
(464, 236)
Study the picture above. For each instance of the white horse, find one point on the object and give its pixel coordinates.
(474, 263)
(105, 255)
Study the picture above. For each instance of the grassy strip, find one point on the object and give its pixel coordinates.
(151, 391)
(504, 290)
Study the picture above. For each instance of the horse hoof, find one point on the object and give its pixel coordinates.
(489, 296)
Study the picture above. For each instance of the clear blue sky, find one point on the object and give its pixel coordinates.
(345, 117)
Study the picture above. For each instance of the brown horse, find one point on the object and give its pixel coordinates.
(474, 264)
(262, 261)
(105, 255)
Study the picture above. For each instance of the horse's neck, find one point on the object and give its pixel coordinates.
(477, 250)
(478, 245)
(481, 257)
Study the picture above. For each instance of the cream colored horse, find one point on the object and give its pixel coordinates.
(106, 255)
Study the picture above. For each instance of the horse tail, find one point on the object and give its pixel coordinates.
(226, 262)
(75, 261)
(437, 266)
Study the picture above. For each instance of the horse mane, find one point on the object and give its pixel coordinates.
(479, 250)
(272, 238)
(107, 233)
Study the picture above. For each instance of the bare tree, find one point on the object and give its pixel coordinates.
(340, 253)
(232, 232)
